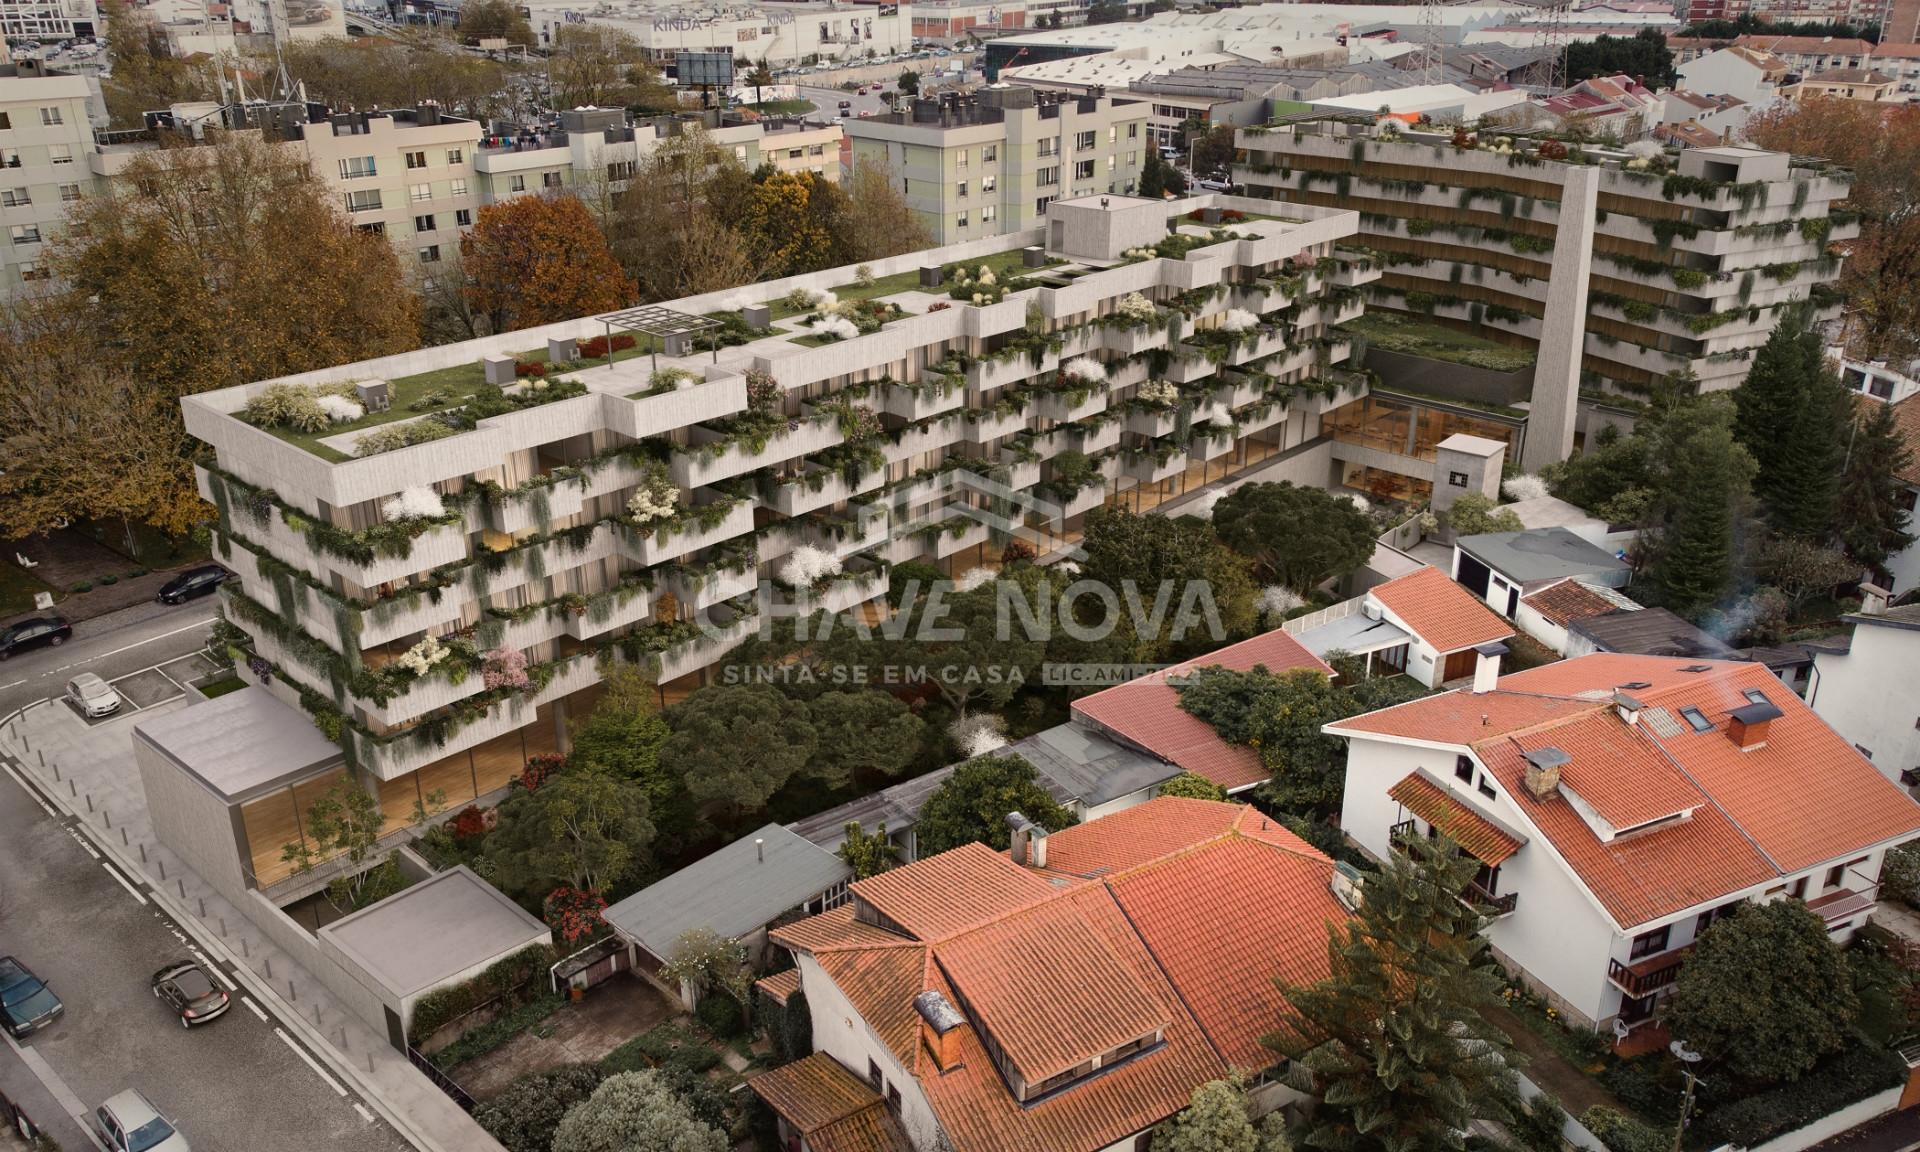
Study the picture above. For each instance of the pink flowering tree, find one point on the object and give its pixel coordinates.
(507, 668)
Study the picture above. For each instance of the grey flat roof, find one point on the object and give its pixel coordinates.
(242, 743)
(1905, 616)
(1090, 766)
(1354, 633)
(733, 891)
(1651, 632)
(897, 807)
(1540, 554)
(439, 928)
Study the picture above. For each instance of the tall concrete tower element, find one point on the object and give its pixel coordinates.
(1563, 332)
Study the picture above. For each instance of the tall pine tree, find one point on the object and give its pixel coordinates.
(1393, 1041)
(1794, 417)
(1873, 523)
(1701, 484)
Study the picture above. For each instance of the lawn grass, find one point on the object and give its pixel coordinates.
(223, 686)
(457, 383)
(1001, 263)
(17, 588)
(1414, 337)
(782, 107)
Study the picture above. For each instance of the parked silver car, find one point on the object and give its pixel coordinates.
(92, 695)
(130, 1123)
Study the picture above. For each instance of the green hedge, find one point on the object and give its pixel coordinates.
(1622, 1133)
(1852, 1075)
(503, 978)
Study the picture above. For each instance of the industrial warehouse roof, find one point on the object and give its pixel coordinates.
(735, 891)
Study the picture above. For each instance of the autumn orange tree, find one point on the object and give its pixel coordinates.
(1881, 143)
(794, 219)
(539, 259)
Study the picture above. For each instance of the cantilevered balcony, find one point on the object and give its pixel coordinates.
(1651, 974)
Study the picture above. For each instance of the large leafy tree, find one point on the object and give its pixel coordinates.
(974, 802)
(1166, 557)
(738, 744)
(674, 230)
(957, 639)
(864, 733)
(540, 259)
(1216, 1120)
(400, 70)
(1644, 56)
(1765, 991)
(1393, 1042)
(635, 1112)
(624, 733)
(524, 1116)
(229, 264)
(581, 828)
(1299, 536)
(1793, 418)
(144, 73)
(882, 222)
(494, 19)
(1873, 522)
(794, 219)
(1701, 478)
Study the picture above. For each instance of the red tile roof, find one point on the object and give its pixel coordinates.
(1441, 612)
(780, 985)
(968, 887)
(1804, 798)
(1430, 800)
(1147, 713)
(831, 1108)
(1567, 601)
(1181, 930)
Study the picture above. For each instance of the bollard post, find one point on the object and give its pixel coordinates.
(343, 1037)
(293, 993)
(26, 743)
(246, 953)
(182, 882)
(89, 802)
(143, 850)
(316, 1015)
(108, 818)
(269, 961)
(123, 838)
(43, 757)
(163, 869)
(56, 772)
(369, 1063)
(73, 789)
(223, 927)
(203, 907)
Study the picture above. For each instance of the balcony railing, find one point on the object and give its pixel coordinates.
(1406, 836)
(1649, 975)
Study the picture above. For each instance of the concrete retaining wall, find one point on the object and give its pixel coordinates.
(1832, 1124)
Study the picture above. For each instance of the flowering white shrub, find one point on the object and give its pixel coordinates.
(807, 566)
(339, 409)
(1276, 600)
(1359, 501)
(421, 658)
(984, 275)
(1645, 150)
(1135, 308)
(978, 734)
(1157, 392)
(823, 300)
(1221, 419)
(1085, 368)
(975, 578)
(414, 503)
(1067, 568)
(737, 301)
(1524, 487)
(1238, 320)
(1139, 254)
(658, 498)
(838, 327)
(1202, 505)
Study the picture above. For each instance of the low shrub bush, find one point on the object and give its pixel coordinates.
(1622, 1133)
(522, 1117)
(719, 1014)
(511, 976)
(1850, 1075)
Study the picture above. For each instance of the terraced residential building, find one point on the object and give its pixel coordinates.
(434, 582)
(1621, 267)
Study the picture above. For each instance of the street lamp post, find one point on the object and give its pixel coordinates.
(1688, 1058)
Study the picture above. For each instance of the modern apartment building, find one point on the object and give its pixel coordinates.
(1622, 268)
(440, 609)
(989, 164)
(46, 146)
(46, 19)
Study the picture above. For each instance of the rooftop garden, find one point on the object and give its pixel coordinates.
(1435, 341)
(304, 416)
(1001, 265)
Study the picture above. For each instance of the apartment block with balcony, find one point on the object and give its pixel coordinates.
(988, 164)
(1618, 806)
(46, 143)
(1621, 269)
(434, 583)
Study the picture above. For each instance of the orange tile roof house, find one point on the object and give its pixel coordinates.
(1618, 804)
(1069, 994)
(1422, 624)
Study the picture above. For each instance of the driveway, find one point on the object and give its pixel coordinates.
(579, 1033)
(111, 647)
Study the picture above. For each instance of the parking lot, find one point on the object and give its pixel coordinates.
(149, 687)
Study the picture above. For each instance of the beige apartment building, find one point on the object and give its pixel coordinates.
(46, 147)
(989, 163)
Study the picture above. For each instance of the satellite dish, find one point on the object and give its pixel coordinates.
(1683, 1053)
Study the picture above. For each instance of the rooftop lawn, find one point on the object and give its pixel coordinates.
(1001, 264)
(456, 385)
(1416, 337)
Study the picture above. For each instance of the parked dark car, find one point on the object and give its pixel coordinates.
(26, 1004)
(33, 633)
(192, 993)
(193, 583)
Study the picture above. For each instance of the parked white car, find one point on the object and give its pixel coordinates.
(92, 695)
(130, 1123)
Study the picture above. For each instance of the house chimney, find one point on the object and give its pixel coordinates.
(941, 1027)
(760, 849)
(1873, 599)
(1486, 670)
(1747, 726)
(1543, 771)
(1028, 844)
(1629, 707)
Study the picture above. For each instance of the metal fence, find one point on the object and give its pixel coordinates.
(440, 1079)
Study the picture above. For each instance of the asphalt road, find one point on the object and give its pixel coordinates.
(109, 646)
(826, 102)
(234, 1085)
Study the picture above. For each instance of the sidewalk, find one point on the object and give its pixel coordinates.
(90, 772)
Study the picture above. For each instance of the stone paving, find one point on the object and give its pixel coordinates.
(89, 771)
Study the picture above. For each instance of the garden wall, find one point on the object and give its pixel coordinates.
(1445, 378)
(1832, 1124)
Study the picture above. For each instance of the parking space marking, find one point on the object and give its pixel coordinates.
(215, 969)
(310, 1062)
(82, 841)
(362, 1109)
(148, 640)
(255, 1008)
(122, 881)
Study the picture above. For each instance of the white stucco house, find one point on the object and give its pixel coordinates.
(1849, 690)
(1618, 806)
(1422, 624)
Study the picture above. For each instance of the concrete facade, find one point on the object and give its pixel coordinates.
(989, 164)
(46, 145)
(1556, 374)
(1849, 689)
